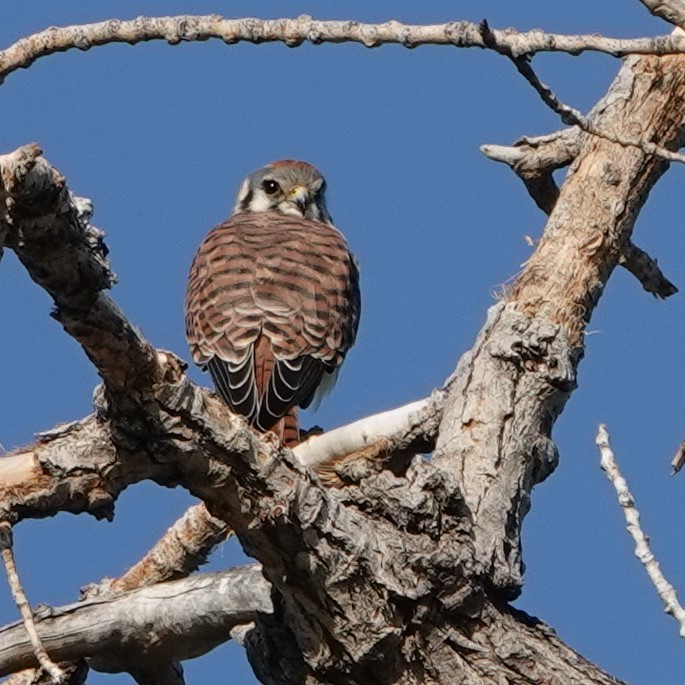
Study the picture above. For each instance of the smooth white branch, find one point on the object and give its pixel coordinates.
(398, 427)
(642, 550)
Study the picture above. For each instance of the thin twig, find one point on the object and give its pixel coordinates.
(20, 599)
(572, 117)
(632, 515)
(679, 459)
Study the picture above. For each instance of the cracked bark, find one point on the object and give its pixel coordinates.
(398, 576)
(400, 541)
(511, 387)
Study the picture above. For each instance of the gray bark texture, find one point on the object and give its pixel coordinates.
(399, 575)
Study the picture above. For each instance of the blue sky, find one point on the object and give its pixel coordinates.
(160, 137)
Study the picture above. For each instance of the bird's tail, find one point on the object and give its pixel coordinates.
(287, 429)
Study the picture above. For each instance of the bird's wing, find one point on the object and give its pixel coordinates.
(269, 278)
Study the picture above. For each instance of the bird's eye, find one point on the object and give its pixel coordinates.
(270, 187)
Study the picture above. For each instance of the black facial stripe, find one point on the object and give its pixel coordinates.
(245, 204)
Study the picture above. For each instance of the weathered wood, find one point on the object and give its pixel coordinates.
(144, 629)
(49, 229)
(534, 159)
(294, 32)
(184, 547)
(510, 388)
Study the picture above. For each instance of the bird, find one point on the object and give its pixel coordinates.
(273, 302)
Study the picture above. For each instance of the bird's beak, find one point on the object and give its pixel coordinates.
(299, 196)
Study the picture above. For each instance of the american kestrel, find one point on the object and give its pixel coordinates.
(272, 304)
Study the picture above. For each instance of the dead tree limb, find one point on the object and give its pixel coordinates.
(665, 590)
(347, 539)
(497, 441)
(209, 605)
(180, 551)
(647, 271)
(147, 629)
(294, 32)
(27, 624)
(51, 234)
(534, 159)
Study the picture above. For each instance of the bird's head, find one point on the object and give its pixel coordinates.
(290, 187)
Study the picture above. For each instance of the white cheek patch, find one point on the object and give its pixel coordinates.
(290, 209)
(260, 202)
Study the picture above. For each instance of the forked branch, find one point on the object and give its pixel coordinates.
(354, 571)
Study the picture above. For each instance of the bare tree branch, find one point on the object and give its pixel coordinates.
(409, 570)
(672, 11)
(572, 117)
(180, 551)
(353, 452)
(72, 267)
(642, 551)
(75, 468)
(531, 345)
(576, 289)
(407, 505)
(230, 598)
(145, 630)
(293, 32)
(647, 271)
(28, 625)
(534, 159)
